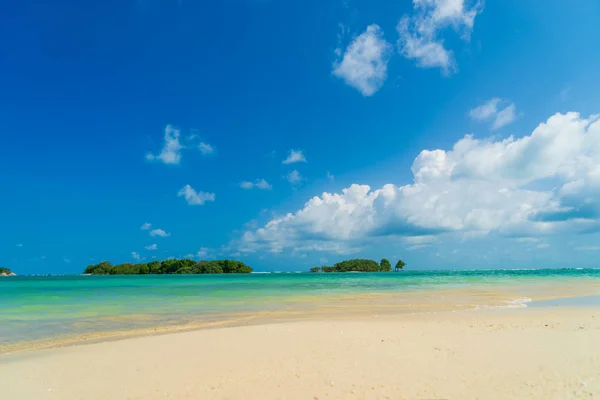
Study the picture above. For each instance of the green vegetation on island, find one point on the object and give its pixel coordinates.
(400, 265)
(360, 265)
(6, 272)
(171, 266)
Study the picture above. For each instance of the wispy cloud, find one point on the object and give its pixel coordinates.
(364, 63)
(194, 198)
(19, 244)
(203, 252)
(294, 156)
(146, 226)
(206, 148)
(135, 255)
(259, 184)
(419, 33)
(159, 232)
(294, 177)
(493, 110)
(588, 248)
(565, 93)
(151, 247)
(171, 151)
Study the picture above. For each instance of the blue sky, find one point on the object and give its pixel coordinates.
(222, 125)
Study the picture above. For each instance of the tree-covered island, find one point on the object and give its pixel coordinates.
(172, 266)
(360, 265)
(6, 272)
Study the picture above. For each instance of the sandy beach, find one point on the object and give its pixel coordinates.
(519, 353)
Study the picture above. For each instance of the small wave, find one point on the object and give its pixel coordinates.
(521, 302)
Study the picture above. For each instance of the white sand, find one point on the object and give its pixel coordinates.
(495, 354)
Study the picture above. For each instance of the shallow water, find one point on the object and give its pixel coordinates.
(577, 301)
(35, 308)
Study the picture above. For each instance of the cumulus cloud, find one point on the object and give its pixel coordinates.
(146, 226)
(159, 232)
(135, 255)
(492, 111)
(419, 33)
(537, 185)
(294, 156)
(364, 63)
(259, 184)
(171, 151)
(151, 247)
(194, 198)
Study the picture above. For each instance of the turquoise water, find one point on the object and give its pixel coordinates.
(43, 307)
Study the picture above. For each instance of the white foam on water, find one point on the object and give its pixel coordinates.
(520, 302)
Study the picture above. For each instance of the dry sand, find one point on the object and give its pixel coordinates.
(544, 353)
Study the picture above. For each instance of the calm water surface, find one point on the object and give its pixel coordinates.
(42, 307)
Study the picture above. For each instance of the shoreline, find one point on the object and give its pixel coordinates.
(508, 353)
(369, 306)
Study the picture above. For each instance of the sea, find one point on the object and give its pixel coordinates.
(35, 308)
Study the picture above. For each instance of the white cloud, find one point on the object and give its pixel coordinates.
(294, 156)
(135, 255)
(528, 240)
(171, 151)
(203, 252)
(262, 184)
(541, 184)
(543, 246)
(151, 247)
(146, 226)
(505, 116)
(330, 176)
(490, 111)
(419, 242)
(341, 34)
(159, 232)
(194, 198)
(259, 184)
(588, 248)
(487, 110)
(419, 33)
(364, 63)
(294, 177)
(66, 260)
(565, 93)
(206, 148)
